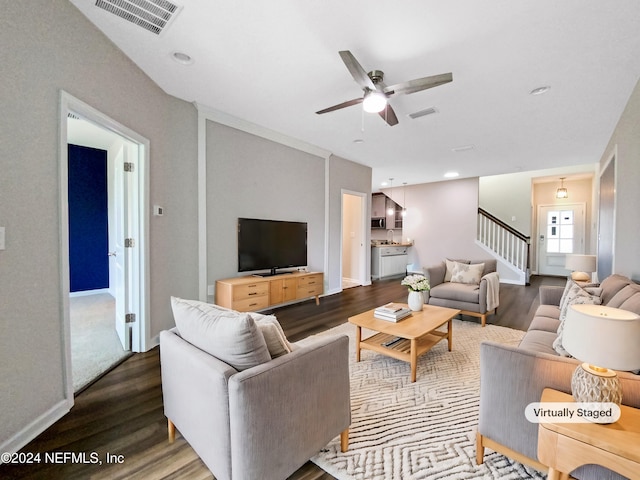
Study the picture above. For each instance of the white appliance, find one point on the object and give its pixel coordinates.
(388, 261)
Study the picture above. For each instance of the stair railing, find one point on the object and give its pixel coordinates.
(504, 240)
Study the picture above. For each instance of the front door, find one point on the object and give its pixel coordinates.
(560, 232)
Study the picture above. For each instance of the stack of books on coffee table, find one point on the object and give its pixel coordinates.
(392, 312)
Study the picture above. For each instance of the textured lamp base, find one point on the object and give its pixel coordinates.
(590, 384)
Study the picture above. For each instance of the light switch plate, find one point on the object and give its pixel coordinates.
(2, 247)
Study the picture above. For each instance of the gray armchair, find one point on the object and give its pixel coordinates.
(263, 422)
(476, 299)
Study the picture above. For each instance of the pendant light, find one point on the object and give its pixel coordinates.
(390, 210)
(404, 199)
(562, 191)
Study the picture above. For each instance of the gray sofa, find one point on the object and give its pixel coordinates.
(261, 421)
(471, 299)
(512, 376)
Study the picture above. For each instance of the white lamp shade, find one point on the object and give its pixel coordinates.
(580, 263)
(603, 336)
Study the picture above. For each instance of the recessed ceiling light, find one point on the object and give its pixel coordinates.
(540, 90)
(358, 140)
(182, 58)
(451, 175)
(384, 184)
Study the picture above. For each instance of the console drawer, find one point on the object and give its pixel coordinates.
(250, 290)
(309, 291)
(251, 304)
(310, 280)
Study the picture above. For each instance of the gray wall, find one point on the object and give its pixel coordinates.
(253, 177)
(48, 46)
(626, 140)
(344, 175)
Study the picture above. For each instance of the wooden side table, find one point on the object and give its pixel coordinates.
(564, 447)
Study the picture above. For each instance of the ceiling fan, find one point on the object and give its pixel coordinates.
(376, 93)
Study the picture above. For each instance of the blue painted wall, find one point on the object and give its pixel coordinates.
(88, 224)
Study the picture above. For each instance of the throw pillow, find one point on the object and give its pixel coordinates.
(632, 304)
(273, 333)
(623, 295)
(567, 287)
(576, 295)
(230, 336)
(469, 274)
(450, 265)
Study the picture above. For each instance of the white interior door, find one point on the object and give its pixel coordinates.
(121, 253)
(560, 232)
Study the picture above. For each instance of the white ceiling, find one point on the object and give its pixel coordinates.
(275, 64)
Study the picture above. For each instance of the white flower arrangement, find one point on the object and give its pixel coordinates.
(416, 283)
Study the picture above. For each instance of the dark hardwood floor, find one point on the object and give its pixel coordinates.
(120, 416)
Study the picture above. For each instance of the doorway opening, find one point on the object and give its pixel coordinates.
(353, 264)
(105, 312)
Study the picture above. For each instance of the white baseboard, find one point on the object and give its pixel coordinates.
(36, 427)
(153, 342)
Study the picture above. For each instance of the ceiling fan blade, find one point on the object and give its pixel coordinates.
(349, 103)
(358, 73)
(389, 116)
(419, 84)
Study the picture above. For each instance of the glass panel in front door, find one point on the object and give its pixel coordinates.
(560, 231)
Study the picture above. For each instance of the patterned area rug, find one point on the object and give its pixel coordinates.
(422, 430)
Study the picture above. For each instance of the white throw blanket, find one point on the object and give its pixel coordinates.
(493, 290)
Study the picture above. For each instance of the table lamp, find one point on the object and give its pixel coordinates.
(605, 339)
(582, 266)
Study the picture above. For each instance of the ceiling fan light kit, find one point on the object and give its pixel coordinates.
(374, 102)
(377, 94)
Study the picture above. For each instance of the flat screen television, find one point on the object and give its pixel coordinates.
(271, 244)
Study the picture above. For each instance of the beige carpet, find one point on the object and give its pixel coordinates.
(95, 346)
(422, 430)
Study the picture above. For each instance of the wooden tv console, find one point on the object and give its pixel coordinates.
(251, 293)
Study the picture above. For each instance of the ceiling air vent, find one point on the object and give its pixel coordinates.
(152, 15)
(422, 113)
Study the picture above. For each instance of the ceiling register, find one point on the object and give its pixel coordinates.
(152, 15)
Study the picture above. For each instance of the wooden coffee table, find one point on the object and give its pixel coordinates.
(415, 334)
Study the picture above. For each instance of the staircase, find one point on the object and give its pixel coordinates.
(507, 245)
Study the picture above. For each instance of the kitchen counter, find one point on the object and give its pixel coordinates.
(386, 243)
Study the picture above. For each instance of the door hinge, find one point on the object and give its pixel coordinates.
(130, 318)
(128, 166)
(129, 242)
